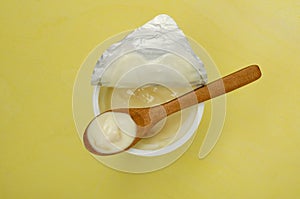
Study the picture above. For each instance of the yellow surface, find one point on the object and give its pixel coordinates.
(43, 44)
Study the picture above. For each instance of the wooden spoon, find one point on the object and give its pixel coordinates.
(146, 118)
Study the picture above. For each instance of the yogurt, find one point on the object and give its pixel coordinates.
(111, 132)
(166, 131)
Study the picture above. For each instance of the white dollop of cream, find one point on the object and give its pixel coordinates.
(111, 132)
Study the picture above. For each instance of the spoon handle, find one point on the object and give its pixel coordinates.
(216, 88)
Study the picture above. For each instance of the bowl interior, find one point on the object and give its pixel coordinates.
(190, 119)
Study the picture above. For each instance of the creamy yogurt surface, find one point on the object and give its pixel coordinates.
(111, 132)
(165, 132)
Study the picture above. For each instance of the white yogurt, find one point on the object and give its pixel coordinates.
(111, 132)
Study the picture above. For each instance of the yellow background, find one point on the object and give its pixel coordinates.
(43, 44)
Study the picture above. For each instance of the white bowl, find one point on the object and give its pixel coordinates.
(85, 107)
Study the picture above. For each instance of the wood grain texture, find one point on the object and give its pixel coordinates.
(216, 88)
